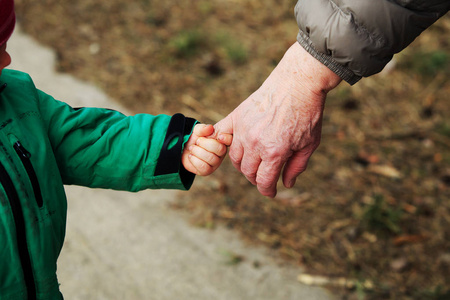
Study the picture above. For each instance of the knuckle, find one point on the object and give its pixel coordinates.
(215, 161)
(235, 157)
(249, 173)
(221, 149)
(254, 139)
(203, 154)
(273, 153)
(276, 151)
(200, 141)
(210, 157)
(264, 182)
(203, 168)
(263, 185)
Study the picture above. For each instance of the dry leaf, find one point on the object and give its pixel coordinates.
(399, 264)
(385, 170)
(409, 239)
(339, 282)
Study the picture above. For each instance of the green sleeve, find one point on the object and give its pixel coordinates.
(102, 148)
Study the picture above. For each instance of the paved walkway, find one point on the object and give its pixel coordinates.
(132, 246)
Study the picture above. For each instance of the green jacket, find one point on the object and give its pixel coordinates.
(45, 143)
(357, 38)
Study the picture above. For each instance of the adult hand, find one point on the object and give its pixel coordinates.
(280, 124)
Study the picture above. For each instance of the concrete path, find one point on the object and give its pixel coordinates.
(132, 246)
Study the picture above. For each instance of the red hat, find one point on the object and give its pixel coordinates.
(7, 20)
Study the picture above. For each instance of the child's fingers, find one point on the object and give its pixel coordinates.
(203, 129)
(225, 138)
(212, 146)
(202, 167)
(205, 155)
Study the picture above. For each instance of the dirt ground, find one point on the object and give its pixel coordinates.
(373, 205)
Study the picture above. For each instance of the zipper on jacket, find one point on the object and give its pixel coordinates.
(25, 158)
(19, 221)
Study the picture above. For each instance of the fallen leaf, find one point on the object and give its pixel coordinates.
(371, 238)
(409, 239)
(399, 264)
(385, 170)
(409, 208)
(330, 281)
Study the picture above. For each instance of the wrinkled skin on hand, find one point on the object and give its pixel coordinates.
(279, 126)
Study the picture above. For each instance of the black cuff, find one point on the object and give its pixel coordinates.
(169, 161)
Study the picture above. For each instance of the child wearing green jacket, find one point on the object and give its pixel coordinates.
(45, 144)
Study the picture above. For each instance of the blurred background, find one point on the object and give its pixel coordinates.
(373, 205)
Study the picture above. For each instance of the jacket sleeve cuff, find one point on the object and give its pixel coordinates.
(343, 72)
(169, 167)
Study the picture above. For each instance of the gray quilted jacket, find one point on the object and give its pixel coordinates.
(357, 38)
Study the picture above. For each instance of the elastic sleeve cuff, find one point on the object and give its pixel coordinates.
(343, 72)
(169, 161)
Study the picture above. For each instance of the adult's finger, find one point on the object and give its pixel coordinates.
(267, 177)
(225, 138)
(236, 153)
(223, 126)
(295, 165)
(249, 165)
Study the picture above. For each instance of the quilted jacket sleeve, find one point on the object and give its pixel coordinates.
(357, 38)
(102, 148)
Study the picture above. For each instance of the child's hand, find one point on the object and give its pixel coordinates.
(203, 155)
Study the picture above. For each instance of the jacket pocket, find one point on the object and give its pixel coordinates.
(25, 158)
